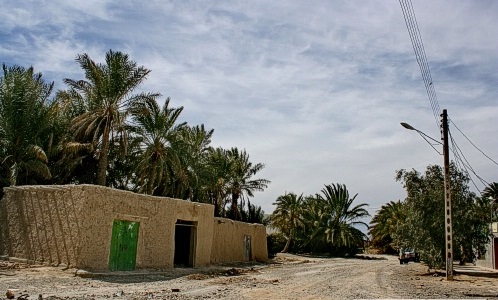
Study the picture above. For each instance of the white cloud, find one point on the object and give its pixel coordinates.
(315, 90)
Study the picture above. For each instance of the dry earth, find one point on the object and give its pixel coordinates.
(286, 277)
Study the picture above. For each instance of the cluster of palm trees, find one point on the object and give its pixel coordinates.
(325, 222)
(101, 131)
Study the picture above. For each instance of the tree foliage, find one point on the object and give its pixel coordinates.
(106, 95)
(421, 224)
(100, 130)
(386, 227)
(287, 216)
(325, 222)
(25, 113)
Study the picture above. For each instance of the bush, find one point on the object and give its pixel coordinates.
(275, 242)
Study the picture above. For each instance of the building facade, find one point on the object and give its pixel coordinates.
(99, 228)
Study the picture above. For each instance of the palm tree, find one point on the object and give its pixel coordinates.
(193, 152)
(24, 126)
(386, 225)
(287, 216)
(339, 218)
(156, 129)
(66, 156)
(491, 192)
(241, 185)
(215, 179)
(254, 214)
(107, 94)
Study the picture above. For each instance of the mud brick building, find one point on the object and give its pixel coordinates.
(98, 228)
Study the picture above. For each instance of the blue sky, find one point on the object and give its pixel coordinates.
(315, 90)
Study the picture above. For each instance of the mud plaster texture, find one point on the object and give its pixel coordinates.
(72, 225)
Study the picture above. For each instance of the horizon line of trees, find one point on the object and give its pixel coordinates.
(101, 131)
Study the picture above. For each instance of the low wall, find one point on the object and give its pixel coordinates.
(72, 225)
(230, 241)
(41, 224)
(157, 217)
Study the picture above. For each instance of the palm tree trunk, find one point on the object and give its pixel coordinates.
(152, 178)
(234, 209)
(287, 245)
(102, 165)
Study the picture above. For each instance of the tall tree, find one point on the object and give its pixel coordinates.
(69, 161)
(425, 229)
(107, 93)
(339, 219)
(157, 129)
(241, 185)
(287, 216)
(216, 178)
(24, 126)
(193, 150)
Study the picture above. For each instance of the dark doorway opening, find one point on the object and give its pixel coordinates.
(184, 243)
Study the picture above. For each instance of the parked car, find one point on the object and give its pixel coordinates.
(407, 255)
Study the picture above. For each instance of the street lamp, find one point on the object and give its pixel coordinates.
(447, 194)
(424, 136)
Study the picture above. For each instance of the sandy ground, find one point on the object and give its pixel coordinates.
(286, 277)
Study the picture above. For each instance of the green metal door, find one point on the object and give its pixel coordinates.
(123, 245)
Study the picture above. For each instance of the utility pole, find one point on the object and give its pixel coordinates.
(447, 199)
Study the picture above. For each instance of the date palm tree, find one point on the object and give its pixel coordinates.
(156, 129)
(107, 94)
(491, 192)
(387, 224)
(241, 185)
(24, 126)
(339, 219)
(287, 216)
(193, 151)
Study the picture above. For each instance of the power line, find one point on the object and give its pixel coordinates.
(461, 159)
(473, 143)
(423, 135)
(418, 47)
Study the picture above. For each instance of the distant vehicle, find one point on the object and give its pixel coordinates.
(407, 255)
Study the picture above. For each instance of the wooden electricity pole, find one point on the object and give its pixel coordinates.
(447, 199)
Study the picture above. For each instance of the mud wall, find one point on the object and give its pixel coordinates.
(72, 225)
(157, 217)
(230, 242)
(41, 224)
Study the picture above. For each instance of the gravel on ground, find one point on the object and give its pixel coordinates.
(285, 277)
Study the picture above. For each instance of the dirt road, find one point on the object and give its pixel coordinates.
(288, 277)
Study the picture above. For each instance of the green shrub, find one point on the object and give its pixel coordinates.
(275, 243)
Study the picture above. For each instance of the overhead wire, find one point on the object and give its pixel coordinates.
(461, 161)
(473, 143)
(460, 158)
(418, 47)
(423, 135)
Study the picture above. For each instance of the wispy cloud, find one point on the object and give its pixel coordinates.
(315, 90)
